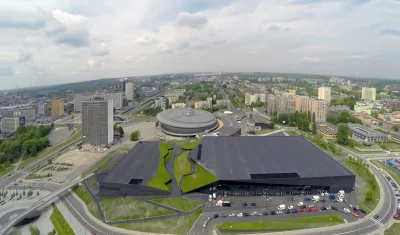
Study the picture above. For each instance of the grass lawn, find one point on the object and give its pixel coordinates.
(59, 146)
(81, 192)
(162, 178)
(109, 160)
(201, 177)
(182, 204)
(117, 208)
(60, 224)
(390, 146)
(365, 175)
(191, 145)
(178, 142)
(181, 166)
(392, 172)
(175, 225)
(285, 224)
(265, 131)
(393, 230)
(6, 170)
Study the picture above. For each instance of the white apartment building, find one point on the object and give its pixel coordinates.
(368, 93)
(223, 102)
(202, 105)
(178, 106)
(9, 125)
(324, 93)
(116, 97)
(130, 91)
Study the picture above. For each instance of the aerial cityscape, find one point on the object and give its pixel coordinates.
(200, 117)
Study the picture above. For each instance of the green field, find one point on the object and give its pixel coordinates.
(390, 146)
(393, 230)
(191, 145)
(265, 131)
(200, 178)
(108, 162)
(60, 224)
(392, 172)
(181, 166)
(74, 137)
(6, 170)
(162, 178)
(285, 224)
(178, 142)
(81, 192)
(182, 204)
(116, 209)
(370, 187)
(175, 225)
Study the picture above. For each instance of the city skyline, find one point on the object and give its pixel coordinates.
(53, 43)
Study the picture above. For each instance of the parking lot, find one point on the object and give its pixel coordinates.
(257, 206)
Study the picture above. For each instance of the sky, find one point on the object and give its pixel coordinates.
(47, 42)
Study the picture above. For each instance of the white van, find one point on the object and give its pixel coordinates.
(341, 192)
(300, 204)
(281, 207)
(210, 198)
(315, 198)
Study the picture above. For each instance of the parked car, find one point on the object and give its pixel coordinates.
(290, 207)
(303, 207)
(253, 204)
(272, 212)
(239, 214)
(265, 213)
(294, 210)
(300, 210)
(215, 216)
(323, 208)
(288, 211)
(246, 214)
(396, 217)
(244, 204)
(362, 211)
(334, 208)
(307, 199)
(279, 212)
(314, 209)
(346, 210)
(224, 215)
(232, 214)
(309, 210)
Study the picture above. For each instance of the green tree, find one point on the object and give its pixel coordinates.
(375, 114)
(380, 123)
(121, 131)
(52, 232)
(368, 197)
(395, 127)
(34, 230)
(30, 193)
(52, 126)
(343, 134)
(135, 135)
(314, 128)
(23, 193)
(37, 194)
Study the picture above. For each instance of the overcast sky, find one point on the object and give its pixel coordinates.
(49, 42)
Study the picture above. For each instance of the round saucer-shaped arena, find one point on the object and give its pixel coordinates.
(186, 122)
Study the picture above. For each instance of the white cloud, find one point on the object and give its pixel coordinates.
(354, 57)
(24, 55)
(100, 49)
(277, 28)
(311, 59)
(164, 48)
(145, 39)
(137, 58)
(191, 20)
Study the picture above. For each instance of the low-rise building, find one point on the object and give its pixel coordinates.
(366, 133)
(179, 106)
(10, 125)
(327, 130)
(202, 104)
(223, 102)
(365, 118)
(337, 110)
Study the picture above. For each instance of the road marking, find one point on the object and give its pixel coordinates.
(378, 223)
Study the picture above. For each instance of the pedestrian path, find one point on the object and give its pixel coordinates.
(378, 223)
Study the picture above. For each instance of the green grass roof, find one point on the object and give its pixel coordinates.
(191, 145)
(162, 178)
(200, 178)
(181, 166)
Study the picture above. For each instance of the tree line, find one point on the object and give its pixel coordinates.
(28, 141)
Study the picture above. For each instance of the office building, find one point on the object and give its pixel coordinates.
(57, 107)
(366, 133)
(324, 93)
(327, 130)
(122, 84)
(164, 102)
(302, 103)
(28, 113)
(319, 108)
(116, 97)
(130, 91)
(97, 122)
(368, 93)
(10, 125)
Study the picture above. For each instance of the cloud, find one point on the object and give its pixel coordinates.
(164, 48)
(195, 20)
(310, 59)
(252, 52)
(358, 56)
(137, 58)
(199, 46)
(219, 42)
(100, 49)
(184, 45)
(277, 28)
(393, 32)
(6, 71)
(21, 16)
(24, 55)
(145, 39)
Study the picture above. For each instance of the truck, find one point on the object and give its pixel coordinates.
(281, 207)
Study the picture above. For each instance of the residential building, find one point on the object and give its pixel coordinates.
(202, 105)
(10, 125)
(293, 91)
(384, 116)
(365, 118)
(57, 107)
(28, 113)
(319, 108)
(346, 87)
(43, 109)
(247, 98)
(116, 97)
(223, 102)
(327, 130)
(288, 101)
(302, 103)
(178, 106)
(368, 93)
(164, 102)
(130, 91)
(97, 122)
(337, 110)
(337, 80)
(324, 93)
(363, 107)
(122, 84)
(172, 99)
(392, 104)
(263, 97)
(367, 134)
(210, 99)
(272, 104)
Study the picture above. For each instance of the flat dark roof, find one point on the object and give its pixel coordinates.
(140, 163)
(245, 157)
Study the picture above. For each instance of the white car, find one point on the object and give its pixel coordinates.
(290, 207)
(279, 212)
(205, 224)
(232, 214)
(328, 208)
(239, 214)
(346, 210)
(311, 205)
(300, 204)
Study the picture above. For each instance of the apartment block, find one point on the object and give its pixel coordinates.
(302, 103)
(324, 93)
(368, 93)
(178, 106)
(57, 107)
(130, 91)
(10, 125)
(319, 108)
(116, 97)
(97, 122)
(223, 102)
